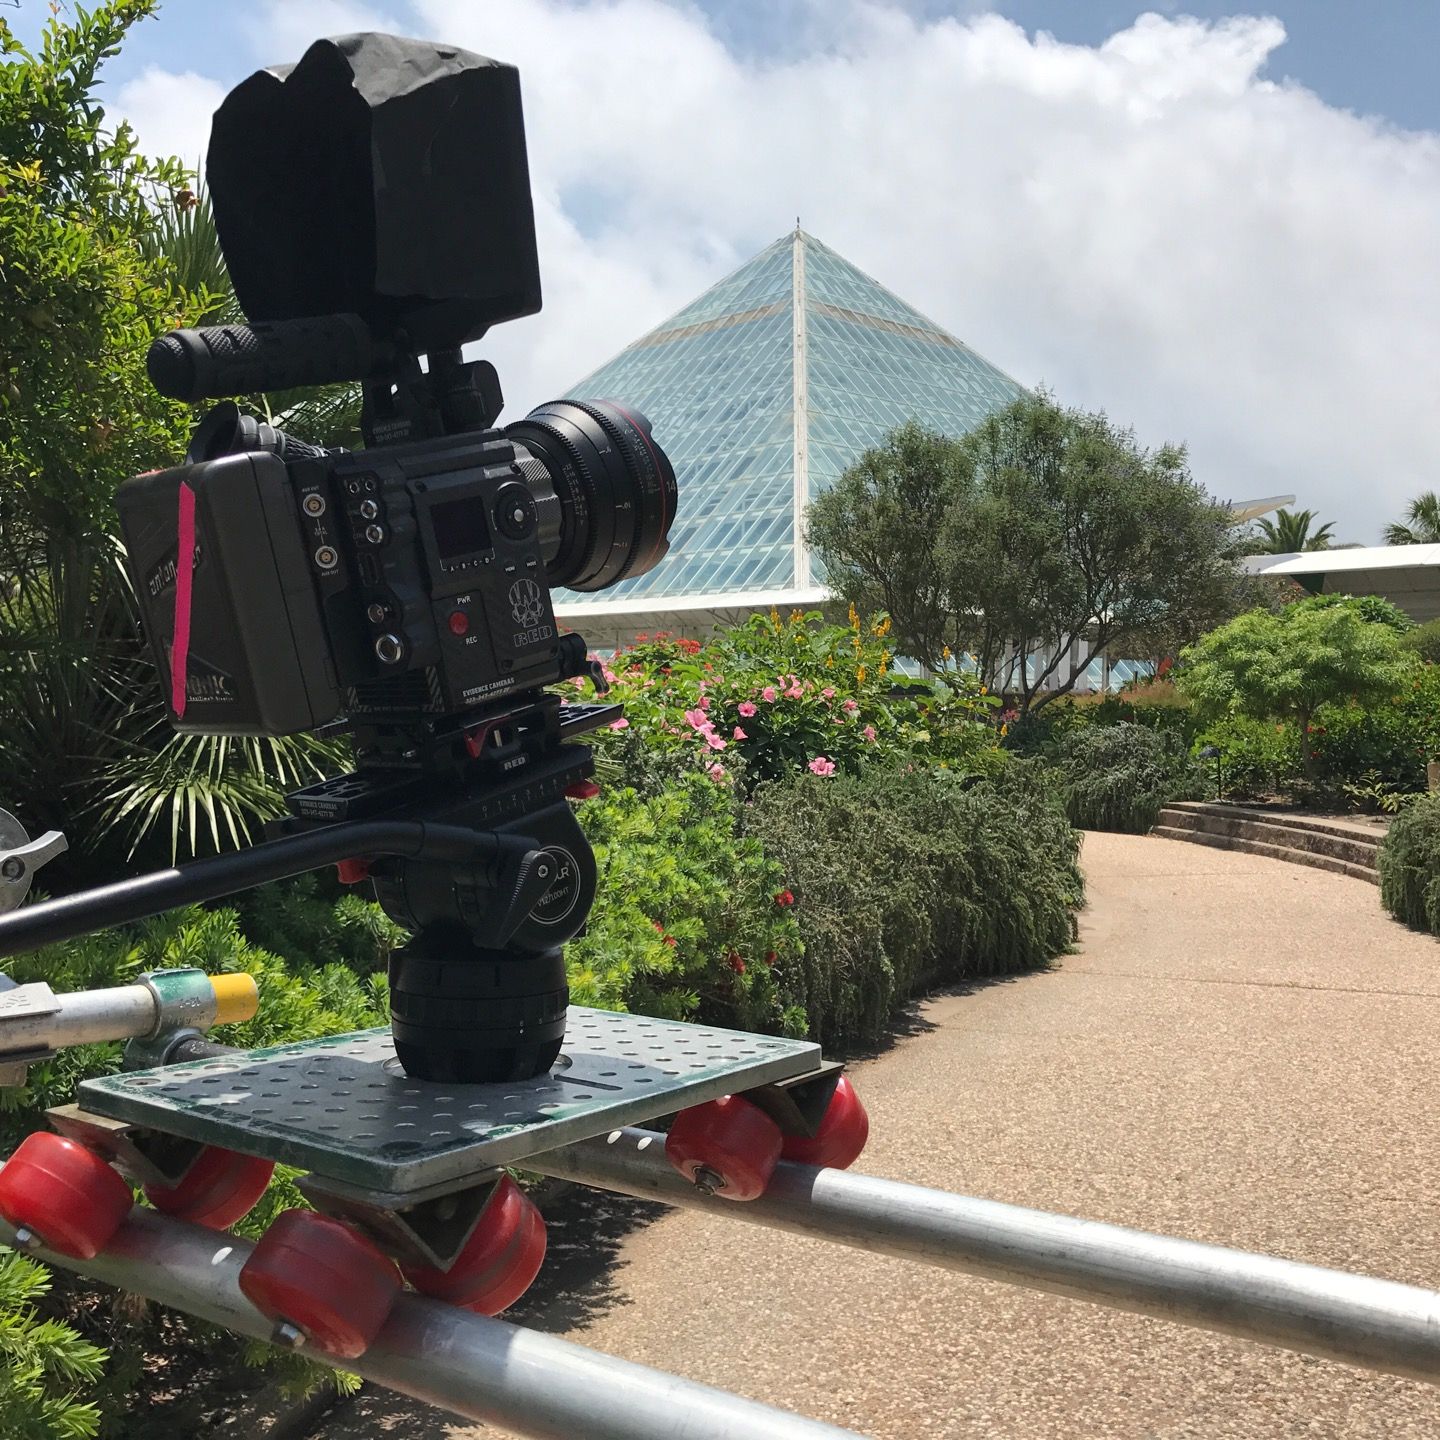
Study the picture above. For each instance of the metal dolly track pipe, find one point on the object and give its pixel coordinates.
(1376, 1324)
(536, 1385)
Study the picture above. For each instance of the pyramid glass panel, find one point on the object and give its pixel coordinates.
(717, 381)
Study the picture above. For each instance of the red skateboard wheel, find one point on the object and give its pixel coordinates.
(63, 1193)
(220, 1188)
(842, 1134)
(324, 1278)
(499, 1261)
(726, 1145)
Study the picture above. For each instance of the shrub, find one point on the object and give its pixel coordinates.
(1118, 776)
(1258, 758)
(904, 877)
(685, 923)
(1424, 640)
(1410, 865)
(773, 697)
(1287, 665)
(1393, 737)
(41, 1360)
(1374, 609)
(1157, 705)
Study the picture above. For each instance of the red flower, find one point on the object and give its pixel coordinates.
(735, 962)
(690, 647)
(771, 957)
(785, 898)
(670, 940)
(658, 926)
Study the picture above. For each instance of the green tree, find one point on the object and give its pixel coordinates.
(1421, 525)
(1289, 533)
(1285, 665)
(1043, 533)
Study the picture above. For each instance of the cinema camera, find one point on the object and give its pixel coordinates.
(373, 205)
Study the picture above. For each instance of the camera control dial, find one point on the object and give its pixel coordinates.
(514, 511)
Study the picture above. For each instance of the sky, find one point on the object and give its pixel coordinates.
(1223, 229)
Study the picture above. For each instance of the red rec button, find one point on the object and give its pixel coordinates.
(459, 622)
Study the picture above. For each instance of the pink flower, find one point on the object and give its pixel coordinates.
(739, 734)
(610, 676)
(696, 719)
(747, 708)
(703, 702)
(621, 724)
(794, 692)
(821, 765)
(717, 771)
(714, 741)
(828, 692)
(850, 707)
(869, 732)
(768, 694)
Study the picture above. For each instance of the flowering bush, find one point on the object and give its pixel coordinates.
(690, 920)
(777, 697)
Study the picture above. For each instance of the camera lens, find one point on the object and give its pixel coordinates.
(604, 490)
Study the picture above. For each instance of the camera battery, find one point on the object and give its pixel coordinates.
(257, 660)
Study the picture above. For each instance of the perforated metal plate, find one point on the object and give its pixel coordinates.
(343, 1109)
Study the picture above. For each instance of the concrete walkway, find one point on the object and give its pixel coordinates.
(1242, 1052)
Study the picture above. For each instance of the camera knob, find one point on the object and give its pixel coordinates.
(514, 510)
(390, 648)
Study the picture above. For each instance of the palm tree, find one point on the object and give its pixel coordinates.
(1289, 533)
(1423, 527)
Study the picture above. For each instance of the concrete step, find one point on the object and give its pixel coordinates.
(1353, 847)
(1323, 824)
(1294, 856)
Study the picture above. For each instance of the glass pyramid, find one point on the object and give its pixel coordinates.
(762, 392)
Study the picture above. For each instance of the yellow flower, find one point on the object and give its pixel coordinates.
(796, 616)
(945, 653)
(860, 675)
(984, 690)
(854, 617)
(829, 662)
(1004, 729)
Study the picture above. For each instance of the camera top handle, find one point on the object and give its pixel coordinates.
(224, 360)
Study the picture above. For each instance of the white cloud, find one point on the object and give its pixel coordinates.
(1149, 225)
(171, 113)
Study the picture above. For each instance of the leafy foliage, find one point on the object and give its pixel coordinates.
(1289, 533)
(777, 696)
(907, 877)
(1258, 758)
(1410, 865)
(42, 1361)
(1118, 776)
(1421, 525)
(1374, 608)
(1286, 665)
(685, 924)
(1424, 641)
(1042, 531)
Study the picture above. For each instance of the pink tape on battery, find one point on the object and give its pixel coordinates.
(184, 573)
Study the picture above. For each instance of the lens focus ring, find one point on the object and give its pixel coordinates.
(614, 491)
